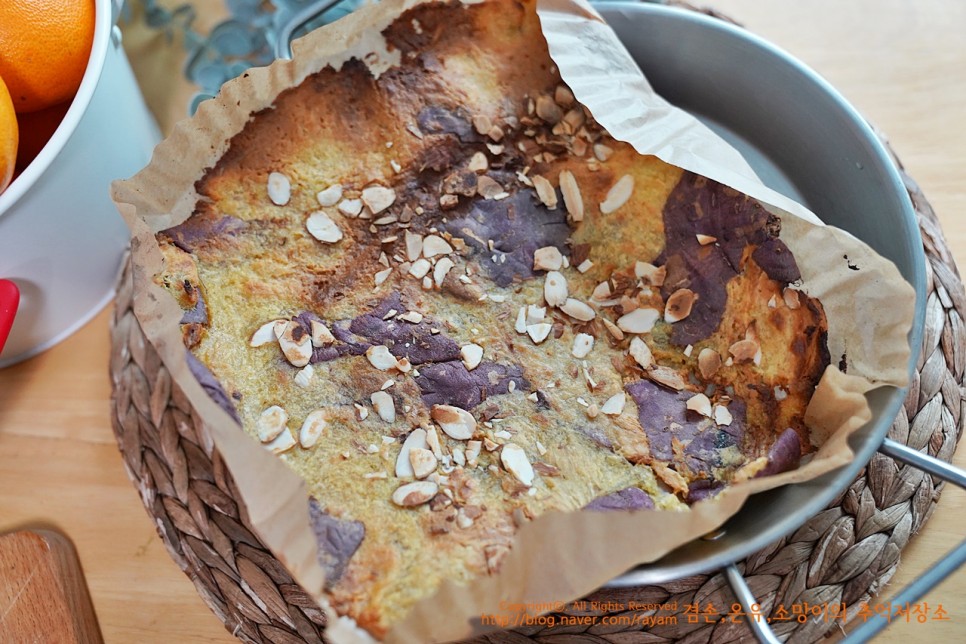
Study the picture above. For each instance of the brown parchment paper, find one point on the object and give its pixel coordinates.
(559, 556)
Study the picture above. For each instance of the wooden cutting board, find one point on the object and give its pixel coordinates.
(43, 595)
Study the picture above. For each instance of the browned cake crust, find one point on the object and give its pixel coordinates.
(500, 310)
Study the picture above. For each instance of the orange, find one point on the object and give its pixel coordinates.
(9, 137)
(44, 47)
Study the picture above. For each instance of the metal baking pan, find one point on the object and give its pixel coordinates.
(806, 141)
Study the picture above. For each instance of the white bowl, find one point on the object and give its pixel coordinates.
(61, 238)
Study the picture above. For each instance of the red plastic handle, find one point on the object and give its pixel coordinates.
(9, 301)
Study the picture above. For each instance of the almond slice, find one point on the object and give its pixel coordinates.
(709, 361)
(547, 258)
(321, 226)
(350, 207)
(721, 415)
(639, 320)
(330, 196)
(414, 494)
(455, 422)
(304, 376)
(613, 329)
(472, 355)
(380, 357)
(417, 439)
(488, 188)
(279, 188)
(536, 314)
(413, 317)
(614, 405)
(555, 288)
(515, 462)
(701, 404)
(641, 353)
(414, 246)
(296, 344)
(384, 406)
(650, 274)
(667, 377)
(704, 240)
(321, 336)
(548, 110)
(312, 428)
(539, 332)
(282, 443)
(382, 276)
(473, 452)
(573, 201)
(265, 334)
(618, 195)
(521, 324)
(545, 191)
(420, 268)
(744, 350)
(434, 245)
(678, 305)
(441, 270)
(578, 310)
(478, 163)
(271, 422)
(602, 152)
(378, 198)
(422, 461)
(583, 343)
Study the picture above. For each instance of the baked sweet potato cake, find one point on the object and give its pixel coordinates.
(452, 302)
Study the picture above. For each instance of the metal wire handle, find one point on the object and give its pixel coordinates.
(897, 451)
(925, 582)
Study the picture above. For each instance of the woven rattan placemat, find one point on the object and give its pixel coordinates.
(843, 555)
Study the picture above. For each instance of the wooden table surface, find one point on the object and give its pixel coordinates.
(901, 62)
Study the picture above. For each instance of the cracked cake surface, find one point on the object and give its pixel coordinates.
(451, 302)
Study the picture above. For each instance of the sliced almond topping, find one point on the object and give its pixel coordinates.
(548, 110)
(602, 292)
(679, 305)
(380, 358)
(482, 124)
(417, 439)
(585, 266)
(472, 355)
(563, 96)
(618, 195)
(446, 202)
(413, 317)
(495, 150)
(420, 268)
(321, 226)
(773, 302)
(721, 415)
(384, 406)
(545, 191)
(791, 298)
(423, 462)
(539, 332)
(296, 345)
(271, 423)
(350, 207)
(547, 258)
(515, 461)
(279, 188)
(496, 133)
(265, 333)
(330, 196)
(434, 245)
(573, 200)
(403, 365)
(432, 442)
(780, 394)
(442, 268)
(382, 276)
(555, 289)
(473, 452)
(304, 376)
(321, 336)
(521, 324)
(455, 422)
(641, 353)
(613, 329)
(602, 152)
(488, 188)
(478, 163)
(744, 350)
(667, 377)
(701, 404)
(415, 493)
(650, 274)
(704, 240)
(536, 314)
(614, 405)
(282, 443)
(639, 320)
(708, 362)
(583, 343)
(378, 198)
(414, 246)
(578, 310)
(459, 456)
(312, 428)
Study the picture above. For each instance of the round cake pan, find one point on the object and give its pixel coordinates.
(61, 238)
(806, 141)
